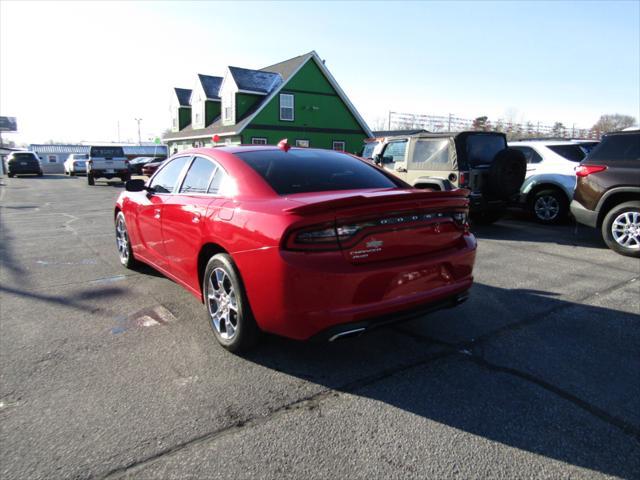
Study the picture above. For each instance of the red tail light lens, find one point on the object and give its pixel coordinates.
(585, 170)
(464, 179)
(329, 236)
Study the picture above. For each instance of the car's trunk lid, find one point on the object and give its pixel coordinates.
(391, 224)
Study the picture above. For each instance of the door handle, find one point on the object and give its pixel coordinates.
(196, 217)
(156, 213)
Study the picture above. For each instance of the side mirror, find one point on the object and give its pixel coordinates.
(135, 185)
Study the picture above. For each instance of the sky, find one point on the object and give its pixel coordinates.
(76, 71)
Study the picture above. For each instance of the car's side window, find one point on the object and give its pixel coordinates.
(214, 186)
(167, 177)
(198, 177)
(396, 150)
(434, 152)
(530, 154)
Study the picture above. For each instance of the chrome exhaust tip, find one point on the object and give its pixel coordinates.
(347, 333)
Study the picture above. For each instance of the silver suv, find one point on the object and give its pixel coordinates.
(478, 161)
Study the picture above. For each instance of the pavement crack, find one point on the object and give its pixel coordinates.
(311, 402)
(593, 410)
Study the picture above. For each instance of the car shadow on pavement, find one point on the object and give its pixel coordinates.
(570, 233)
(562, 383)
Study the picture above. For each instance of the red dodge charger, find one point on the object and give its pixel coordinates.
(297, 242)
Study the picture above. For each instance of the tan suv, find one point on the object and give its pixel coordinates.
(478, 161)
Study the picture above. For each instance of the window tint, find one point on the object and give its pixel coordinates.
(300, 171)
(167, 177)
(430, 152)
(618, 147)
(570, 152)
(530, 154)
(482, 149)
(216, 181)
(24, 156)
(395, 150)
(198, 176)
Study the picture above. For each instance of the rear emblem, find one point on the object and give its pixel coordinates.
(374, 244)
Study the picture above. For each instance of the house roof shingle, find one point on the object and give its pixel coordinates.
(210, 85)
(255, 80)
(183, 94)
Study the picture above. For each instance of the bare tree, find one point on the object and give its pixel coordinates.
(480, 123)
(378, 124)
(614, 122)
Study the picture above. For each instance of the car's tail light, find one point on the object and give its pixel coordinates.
(330, 236)
(586, 170)
(464, 179)
(317, 237)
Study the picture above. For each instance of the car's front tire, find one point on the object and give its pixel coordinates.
(621, 229)
(229, 312)
(123, 243)
(549, 207)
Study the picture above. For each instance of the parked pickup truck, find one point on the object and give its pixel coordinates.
(107, 162)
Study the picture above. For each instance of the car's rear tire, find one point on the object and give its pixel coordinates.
(72, 174)
(230, 315)
(11, 175)
(549, 206)
(506, 174)
(621, 229)
(90, 179)
(40, 173)
(123, 243)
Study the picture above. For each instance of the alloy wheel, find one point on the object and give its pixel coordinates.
(625, 230)
(222, 304)
(546, 207)
(122, 240)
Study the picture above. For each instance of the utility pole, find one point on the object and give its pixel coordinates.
(139, 139)
(449, 128)
(389, 126)
(118, 131)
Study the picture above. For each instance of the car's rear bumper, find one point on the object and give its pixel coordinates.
(584, 215)
(478, 203)
(24, 170)
(105, 174)
(302, 295)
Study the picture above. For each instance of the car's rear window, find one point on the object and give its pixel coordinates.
(24, 156)
(80, 156)
(302, 171)
(107, 152)
(617, 147)
(482, 148)
(570, 152)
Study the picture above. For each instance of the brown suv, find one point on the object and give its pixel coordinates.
(607, 194)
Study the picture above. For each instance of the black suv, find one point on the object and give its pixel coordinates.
(478, 161)
(19, 163)
(607, 193)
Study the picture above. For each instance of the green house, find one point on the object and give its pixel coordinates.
(297, 99)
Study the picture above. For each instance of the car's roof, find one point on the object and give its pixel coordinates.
(625, 132)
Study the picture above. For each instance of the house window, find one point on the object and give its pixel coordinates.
(302, 143)
(286, 107)
(258, 141)
(339, 145)
(53, 159)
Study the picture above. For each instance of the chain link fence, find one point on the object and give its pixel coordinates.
(450, 123)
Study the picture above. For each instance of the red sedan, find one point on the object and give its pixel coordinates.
(297, 242)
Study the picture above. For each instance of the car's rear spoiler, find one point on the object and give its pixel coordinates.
(374, 197)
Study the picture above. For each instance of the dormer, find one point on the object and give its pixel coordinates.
(205, 100)
(242, 89)
(180, 109)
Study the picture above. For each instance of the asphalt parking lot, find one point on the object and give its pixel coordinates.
(112, 373)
